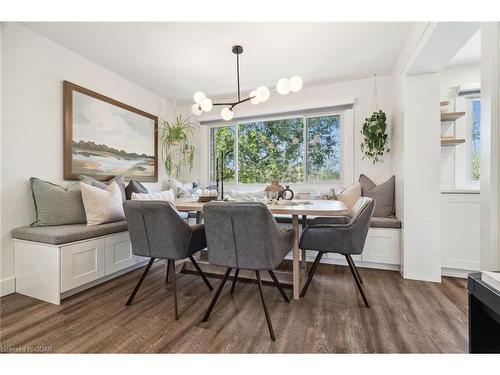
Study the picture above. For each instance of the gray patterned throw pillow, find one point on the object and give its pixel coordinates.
(55, 205)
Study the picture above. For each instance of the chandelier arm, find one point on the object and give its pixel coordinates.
(234, 104)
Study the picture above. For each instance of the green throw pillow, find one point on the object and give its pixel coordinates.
(55, 205)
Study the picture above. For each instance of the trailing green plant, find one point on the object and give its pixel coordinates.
(176, 139)
(375, 141)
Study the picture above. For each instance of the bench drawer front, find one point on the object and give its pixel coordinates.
(119, 253)
(82, 263)
(382, 246)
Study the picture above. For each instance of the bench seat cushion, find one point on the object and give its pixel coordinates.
(385, 222)
(61, 234)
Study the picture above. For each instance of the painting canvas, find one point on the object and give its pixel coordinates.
(105, 138)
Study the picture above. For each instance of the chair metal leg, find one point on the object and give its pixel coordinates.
(202, 274)
(352, 266)
(216, 296)
(278, 285)
(311, 273)
(268, 318)
(356, 270)
(235, 278)
(175, 289)
(168, 271)
(131, 298)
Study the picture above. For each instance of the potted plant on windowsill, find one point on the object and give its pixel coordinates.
(374, 144)
(176, 139)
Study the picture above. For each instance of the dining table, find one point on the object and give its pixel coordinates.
(293, 208)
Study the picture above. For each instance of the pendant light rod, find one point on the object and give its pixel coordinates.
(237, 50)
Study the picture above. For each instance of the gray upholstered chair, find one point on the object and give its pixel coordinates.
(157, 231)
(343, 235)
(244, 235)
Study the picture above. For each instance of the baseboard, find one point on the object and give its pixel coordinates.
(7, 286)
(361, 264)
(453, 272)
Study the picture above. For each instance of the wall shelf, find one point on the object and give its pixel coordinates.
(451, 141)
(451, 116)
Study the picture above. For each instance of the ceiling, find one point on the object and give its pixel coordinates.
(176, 59)
(470, 52)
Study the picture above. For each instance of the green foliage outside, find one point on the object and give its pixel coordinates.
(274, 149)
(271, 150)
(224, 141)
(323, 148)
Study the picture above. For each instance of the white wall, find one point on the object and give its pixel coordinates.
(33, 69)
(490, 146)
(317, 97)
(422, 198)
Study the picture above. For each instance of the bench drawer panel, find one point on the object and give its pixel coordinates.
(82, 263)
(119, 253)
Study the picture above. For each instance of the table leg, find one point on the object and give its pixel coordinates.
(296, 258)
(199, 217)
(303, 260)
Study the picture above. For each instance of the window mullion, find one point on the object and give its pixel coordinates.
(304, 140)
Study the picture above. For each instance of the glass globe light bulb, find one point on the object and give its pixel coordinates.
(283, 86)
(206, 104)
(226, 114)
(255, 99)
(262, 93)
(296, 83)
(196, 109)
(198, 97)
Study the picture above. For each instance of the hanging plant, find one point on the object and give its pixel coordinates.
(177, 144)
(375, 140)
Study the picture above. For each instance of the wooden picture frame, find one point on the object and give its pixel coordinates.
(93, 158)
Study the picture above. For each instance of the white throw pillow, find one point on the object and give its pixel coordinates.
(102, 206)
(247, 195)
(167, 195)
(350, 196)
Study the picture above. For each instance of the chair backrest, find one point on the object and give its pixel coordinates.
(242, 235)
(360, 214)
(156, 230)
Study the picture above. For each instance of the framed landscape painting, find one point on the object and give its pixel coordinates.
(105, 138)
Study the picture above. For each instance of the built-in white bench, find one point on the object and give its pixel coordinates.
(382, 246)
(52, 263)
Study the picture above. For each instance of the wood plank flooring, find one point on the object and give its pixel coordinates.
(405, 316)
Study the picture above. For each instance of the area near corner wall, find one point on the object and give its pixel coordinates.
(33, 69)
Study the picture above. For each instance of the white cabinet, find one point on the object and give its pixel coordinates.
(382, 246)
(119, 253)
(460, 227)
(82, 263)
(52, 272)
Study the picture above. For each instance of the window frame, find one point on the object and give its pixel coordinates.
(346, 135)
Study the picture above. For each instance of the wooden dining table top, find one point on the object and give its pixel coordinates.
(298, 207)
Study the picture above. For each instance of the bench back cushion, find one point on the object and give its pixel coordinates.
(55, 205)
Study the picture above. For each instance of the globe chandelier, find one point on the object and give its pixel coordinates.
(261, 94)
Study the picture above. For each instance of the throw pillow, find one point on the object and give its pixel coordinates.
(134, 187)
(55, 205)
(382, 194)
(167, 195)
(102, 206)
(120, 180)
(350, 196)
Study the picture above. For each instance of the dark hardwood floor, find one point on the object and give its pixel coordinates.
(405, 316)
